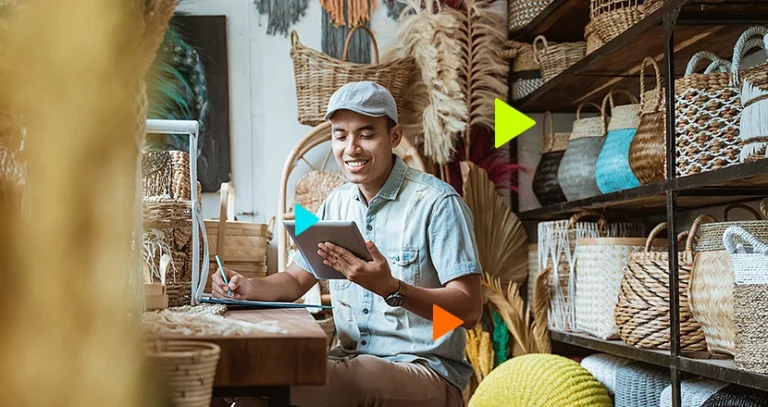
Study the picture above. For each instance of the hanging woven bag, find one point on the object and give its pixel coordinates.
(749, 257)
(612, 170)
(707, 117)
(642, 310)
(647, 152)
(753, 83)
(576, 174)
(556, 58)
(711, 289)
(612, 17)
(545, 185)
(522, 12)
(526, 76)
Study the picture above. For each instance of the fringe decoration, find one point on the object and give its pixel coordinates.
(281, 14)
(754, 122)
(334, 36)
(350, 13)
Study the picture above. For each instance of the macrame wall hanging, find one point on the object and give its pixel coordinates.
(339, 17)
(281, 14)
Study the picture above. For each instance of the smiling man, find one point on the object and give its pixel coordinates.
(420, 235)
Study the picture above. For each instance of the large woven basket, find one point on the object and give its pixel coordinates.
(553, 145)
(600, 270)
(647, 152)
(318, 75)
(576, 174)
(711, 289)
(526, 76)
(753, 82)
(187, 370)
(750, 269)
(642, 311)
(612, 170)
(707, 116)
(612, 17)
(242, 246)
(556, 58)
(522, 12)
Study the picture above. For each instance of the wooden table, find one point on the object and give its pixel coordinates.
(267, 364)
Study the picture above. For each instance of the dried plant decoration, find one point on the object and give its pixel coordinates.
(501, 239)
(350, 13)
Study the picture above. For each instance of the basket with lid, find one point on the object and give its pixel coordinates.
(576, 174)
(553, 145)
(612, 170)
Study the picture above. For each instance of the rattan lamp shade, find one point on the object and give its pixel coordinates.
(540, 380)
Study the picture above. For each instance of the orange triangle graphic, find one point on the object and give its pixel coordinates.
(443, 322)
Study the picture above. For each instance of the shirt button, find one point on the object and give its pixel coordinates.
(369, 227)
(365, 310)
(364, 343)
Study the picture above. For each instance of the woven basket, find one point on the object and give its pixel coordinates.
(605, 367)
(526, 76)
(533, 271)
(553, 146)
(522, 12)
(612, 17)
(612, 170)
(640, 385)
(642, 311)
(166, 174)
(707, 116)
(647, 152)
(753, 82)
(650, 6)
(693, 392)
(593, 41)
(600, 270)
(318, 75)
(711, 289)
(737, 396)
(186, 368)
(242, 246)
(576, 174)
(556, 58)
(750, 269)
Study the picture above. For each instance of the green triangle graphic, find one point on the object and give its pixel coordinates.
(509, 123)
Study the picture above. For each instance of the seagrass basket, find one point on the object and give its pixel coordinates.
(546, 187)
(187, 370)
(707, 111)
(526, 75)
(612, 170)
(522, 12)
(749, 257)
(593, 41)
(642, 310)
(711, 289)
(612, 17)
(318, 76)
(555, 58)
(753, 83)
(576, 174)
(166, 174)
(648, 152)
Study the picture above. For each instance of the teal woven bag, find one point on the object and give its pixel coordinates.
(612, 170)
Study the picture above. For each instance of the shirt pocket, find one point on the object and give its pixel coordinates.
(404, 263)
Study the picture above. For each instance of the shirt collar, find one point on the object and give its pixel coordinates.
(394, 182)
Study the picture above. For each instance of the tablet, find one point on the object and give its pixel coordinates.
(341, 233)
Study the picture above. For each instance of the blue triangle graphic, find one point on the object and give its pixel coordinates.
(304, 219)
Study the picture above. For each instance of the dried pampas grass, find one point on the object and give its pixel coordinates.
(501, 238)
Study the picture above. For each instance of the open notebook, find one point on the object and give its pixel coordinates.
(260, 304)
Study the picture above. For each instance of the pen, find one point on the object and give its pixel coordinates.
(223, 274)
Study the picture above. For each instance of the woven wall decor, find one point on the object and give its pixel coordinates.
(576, 174)
(753, 128)
(612, 170)
(281, 14)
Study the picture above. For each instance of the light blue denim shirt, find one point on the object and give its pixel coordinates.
(426, 231)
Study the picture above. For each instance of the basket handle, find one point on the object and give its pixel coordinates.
(741, 48)
(294, 38)
(658, 81)
(603, 109)
(602, 222)
(536, 51)
(632, 98)
(695, 230)
(226, 210)
(550, 141)
(661, 226)
(349, 40)
(733, 231)
(578, 110)
(706, 55)
(749, 209)
(764, 207)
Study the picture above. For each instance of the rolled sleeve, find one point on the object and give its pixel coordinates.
(452, 243)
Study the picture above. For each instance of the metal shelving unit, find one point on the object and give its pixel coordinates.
(671, 35)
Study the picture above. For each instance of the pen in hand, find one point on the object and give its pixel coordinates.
(223, 275)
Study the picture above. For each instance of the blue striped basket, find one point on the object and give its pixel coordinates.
(612, 170)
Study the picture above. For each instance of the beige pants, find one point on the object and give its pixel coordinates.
(370, 381)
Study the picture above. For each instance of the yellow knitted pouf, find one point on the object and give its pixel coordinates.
(540, 380)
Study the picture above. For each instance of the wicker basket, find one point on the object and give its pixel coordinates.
(556, 58)
(753, 82)
(165, 174)
(642, 311)
(318, 75)
(737, 396)
(186, 368)
(648, 153)
(242, 246)
(601, 267)
(612, 170)
(545, 184)
(707, 116)
(693, 392)
(612, 17)
(711, 289)
(526, 76)
(640, 385)
(533, 271)
(576, 174)
(750, 269)
(605, 367)
(593, 41)
(522, 12)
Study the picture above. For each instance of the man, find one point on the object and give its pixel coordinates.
(424, 254)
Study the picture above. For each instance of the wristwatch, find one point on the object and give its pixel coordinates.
(397, 298)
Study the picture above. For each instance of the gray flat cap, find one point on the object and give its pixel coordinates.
(367, 98)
